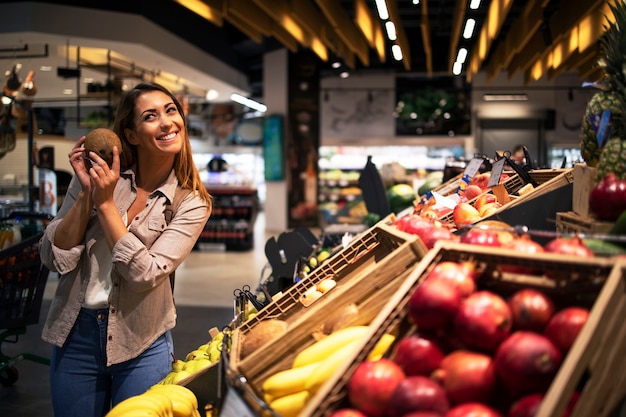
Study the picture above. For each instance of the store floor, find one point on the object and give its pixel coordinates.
(204, 297)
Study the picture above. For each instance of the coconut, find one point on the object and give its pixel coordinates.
(102, 141)
(262, 333)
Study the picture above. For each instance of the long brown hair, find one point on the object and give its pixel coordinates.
(184, 167)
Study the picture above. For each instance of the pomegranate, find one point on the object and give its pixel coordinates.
(414, 224)
(607, 200)
(482, 237)
(522, 244)
(526, 362)
(417, 355)
(417, 393)
(372, 385)
(564, 327)
(483, 321)
(433, 304)
(527, 406)
(472, 410)
(564, 246)
(424, 414)
(347, 412)
(531, 309)
(435, 234)
(461, 274)
(466, 376)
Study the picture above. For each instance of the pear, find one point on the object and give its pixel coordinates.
(196, 354)
(178, 365)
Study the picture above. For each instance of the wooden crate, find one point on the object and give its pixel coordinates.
(373, 259)
(571, 222)
(584, 181)
(595, 361)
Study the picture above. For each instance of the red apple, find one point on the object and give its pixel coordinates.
(481, 179)
(484, 199)
(465, 214)
(372, 384)
(472, 191)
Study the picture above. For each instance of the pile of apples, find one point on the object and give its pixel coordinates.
(472, 352)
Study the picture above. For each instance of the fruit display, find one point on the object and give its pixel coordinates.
(287, 391)
(159, 401)
(197, 360)
(481, 331)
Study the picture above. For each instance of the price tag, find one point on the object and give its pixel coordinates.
(472, 167)
(496, 172)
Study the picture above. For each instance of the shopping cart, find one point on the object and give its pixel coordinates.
(22, 282)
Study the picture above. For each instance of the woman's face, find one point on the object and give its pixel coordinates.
(159, 127)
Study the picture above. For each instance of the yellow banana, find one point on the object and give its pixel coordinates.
(138, 405)
(329, 344)
(288, 381)
(290, 405)
(381, 347)
(184, 401)
(328, 366)
(162, 399)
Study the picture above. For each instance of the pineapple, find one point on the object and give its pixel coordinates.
(600, 101)
(612, 158)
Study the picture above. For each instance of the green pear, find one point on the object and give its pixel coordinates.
(178, 365)
(197, 365)
(196, 354)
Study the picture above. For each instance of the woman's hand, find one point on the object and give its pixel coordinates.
(103, 177)
(81, 166)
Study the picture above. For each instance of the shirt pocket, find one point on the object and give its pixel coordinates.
(153, 228)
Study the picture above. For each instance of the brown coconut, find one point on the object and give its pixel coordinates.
(262, 333)
(102, 141)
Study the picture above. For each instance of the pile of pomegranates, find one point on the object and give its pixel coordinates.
(471, 351)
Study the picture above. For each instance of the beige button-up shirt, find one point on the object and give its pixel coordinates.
(141, 304)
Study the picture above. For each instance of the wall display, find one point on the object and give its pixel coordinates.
(432, 106)
(273, 151)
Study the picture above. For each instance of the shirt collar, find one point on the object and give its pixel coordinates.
(168, 188)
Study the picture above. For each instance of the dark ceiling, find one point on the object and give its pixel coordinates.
(231, 45)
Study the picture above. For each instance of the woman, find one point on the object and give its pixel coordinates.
(114, 250)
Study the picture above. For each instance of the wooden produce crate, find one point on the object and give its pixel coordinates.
(584, 181)
(596, 360)
(571, 222)
(373, 259)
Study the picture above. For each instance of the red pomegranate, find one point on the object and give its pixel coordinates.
(372, 385)
(417, 393)
(433, 304)
(461, 274)
(531, 309)
(607, 200)
(572, 247)
(564, 327)
(526, 362)
(527, 406)
(481, 237)
(472, 410)
(434, 234)
(417, 355)
(467, 376)
(414, 224)
(522, 244)
(483, 321)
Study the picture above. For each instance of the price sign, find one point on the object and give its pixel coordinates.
(496, 173)
(472, 167)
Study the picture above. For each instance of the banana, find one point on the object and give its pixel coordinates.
(184, 401)
(138, 405)
(326, 368)
(381, 347)
(288, 381)
(290, 405)
(326, 346)
(162, 400)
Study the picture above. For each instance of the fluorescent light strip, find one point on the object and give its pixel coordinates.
(397, 52)
(505, 97)
(381, 6)
(461, 55)
(474, 4)
(254, 105)
(391, 30)
(469, 28)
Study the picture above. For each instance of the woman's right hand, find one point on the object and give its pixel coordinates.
(81, 166)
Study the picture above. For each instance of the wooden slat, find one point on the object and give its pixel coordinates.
(251, 15)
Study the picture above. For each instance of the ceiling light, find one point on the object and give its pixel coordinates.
(336, 64)
(469, 28)
(397, 52)
(391, 30)
(254, 105)
(505, 97)
(461, 55)
(416, 2)
(381, 6)
(45, 68)
(456, 68)
(344, 74)
(474, 4)
(212, 94)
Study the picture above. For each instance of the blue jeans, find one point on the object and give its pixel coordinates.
(81, 383)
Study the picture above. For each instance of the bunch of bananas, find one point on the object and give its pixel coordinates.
(159, 401)
(313, 262)
(197, 360)
(288, 391)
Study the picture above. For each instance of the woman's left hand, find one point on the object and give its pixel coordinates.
(104, 177)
